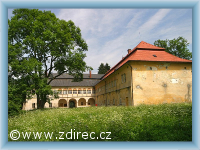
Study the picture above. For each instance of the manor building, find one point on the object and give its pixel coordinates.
(146, 75)
(71, 94)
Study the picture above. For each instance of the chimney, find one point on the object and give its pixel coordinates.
(129, 50)
(90, 74)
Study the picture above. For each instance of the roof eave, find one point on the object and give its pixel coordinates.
(145, 61)
(159, 61)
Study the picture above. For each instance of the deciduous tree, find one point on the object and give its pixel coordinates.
(177, 47)
(38, 44)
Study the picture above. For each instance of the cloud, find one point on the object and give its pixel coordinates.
(154, 21)
(110, 32)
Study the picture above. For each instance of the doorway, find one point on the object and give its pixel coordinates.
(126, 101)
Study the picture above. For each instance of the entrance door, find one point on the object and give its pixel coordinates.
(126, 101)
(71, 104)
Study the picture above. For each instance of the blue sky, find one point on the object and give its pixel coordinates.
(110, 32)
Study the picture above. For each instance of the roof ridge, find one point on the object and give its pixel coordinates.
(137, 51)
(145, 45)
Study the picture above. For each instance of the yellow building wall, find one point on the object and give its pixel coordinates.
(112, 91)
(151, 83)
(135, 83)
(159, 82)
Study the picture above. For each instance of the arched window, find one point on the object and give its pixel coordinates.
(74, 91)
(89, 91)
(80, 91)
(59, 91)
(84, 91)
(69, 91)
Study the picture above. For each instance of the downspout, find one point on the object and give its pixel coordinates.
(131, 84)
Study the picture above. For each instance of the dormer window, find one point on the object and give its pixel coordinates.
(154, 56)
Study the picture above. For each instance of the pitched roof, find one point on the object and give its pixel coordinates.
(145, 45)
(70, 83)
(67, 80)
(85, 76)
(146, 52)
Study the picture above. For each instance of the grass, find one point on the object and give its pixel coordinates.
(166, 122)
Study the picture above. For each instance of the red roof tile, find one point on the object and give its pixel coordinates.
(145, 45)
(146, 52)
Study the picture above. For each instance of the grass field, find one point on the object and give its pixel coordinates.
(166, 122)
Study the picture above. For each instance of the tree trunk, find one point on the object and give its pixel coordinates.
(40, 101)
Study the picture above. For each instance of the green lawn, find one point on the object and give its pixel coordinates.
(166, 122)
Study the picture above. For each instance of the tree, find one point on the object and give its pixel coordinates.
(38, 44)
(103, 68)
(177, 47)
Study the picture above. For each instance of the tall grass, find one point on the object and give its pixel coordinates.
(166, 122)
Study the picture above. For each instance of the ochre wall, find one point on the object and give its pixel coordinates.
(146, 83)
(112, 91)
(159, 82)
(151, 83)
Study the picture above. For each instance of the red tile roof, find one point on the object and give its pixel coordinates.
(146, 52)
(144, 45)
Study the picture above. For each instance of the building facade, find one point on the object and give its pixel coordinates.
(146, 75)
(71, 94)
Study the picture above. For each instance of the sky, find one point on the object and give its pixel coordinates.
(109, 33)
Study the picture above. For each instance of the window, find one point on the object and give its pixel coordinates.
(154, 56)
(55, 91)
(50, 104)
(120, 101)
(84, 91)
(80, 91)
(88, 103)
(88, 91)
(93, 91)
(69, 91)
(123, 78)
(81, 103)
(59, 91)
(65, 92)
(33, 105)
(74, 91)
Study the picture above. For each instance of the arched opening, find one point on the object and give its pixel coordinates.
(80, 91)
(74, 91)
(72, 103)
(89, 91)
(62, 103)
(84, 90)
(91, 102)
(59, 91)
(82, 102)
